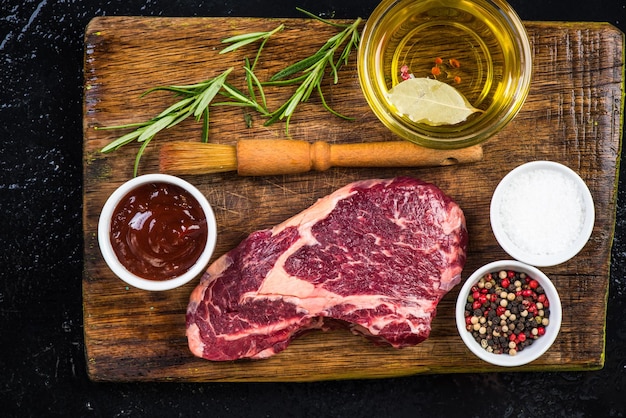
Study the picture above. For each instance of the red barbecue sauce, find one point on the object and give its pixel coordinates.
(158, 231)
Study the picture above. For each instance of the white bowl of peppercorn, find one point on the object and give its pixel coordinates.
(508, 313)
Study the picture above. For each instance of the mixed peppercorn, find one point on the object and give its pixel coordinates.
(506, 311)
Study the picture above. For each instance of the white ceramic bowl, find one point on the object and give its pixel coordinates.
(542, 213)
(540, 345)
(104, 228)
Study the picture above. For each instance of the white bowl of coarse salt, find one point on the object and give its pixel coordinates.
(542, 213)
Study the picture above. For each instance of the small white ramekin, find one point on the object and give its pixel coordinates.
(540, 345)
(104, 228)
(499, 211)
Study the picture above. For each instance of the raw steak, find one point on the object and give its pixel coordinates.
(376, 255)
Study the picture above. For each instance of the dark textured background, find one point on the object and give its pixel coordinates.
(42, 364)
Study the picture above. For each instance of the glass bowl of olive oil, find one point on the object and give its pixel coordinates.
(445, 73)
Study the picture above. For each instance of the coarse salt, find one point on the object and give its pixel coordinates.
(542, 212)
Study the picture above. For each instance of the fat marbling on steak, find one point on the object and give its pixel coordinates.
(375, 255)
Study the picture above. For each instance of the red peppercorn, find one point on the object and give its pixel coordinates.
(512, 337)
(468, 320)
(541, 330)
(482, 299)
(521, 338)
(533, 284)
(500, 310)
(494, 297)
(404, 72)
(541, 298)
(476, 305)
(476, 295)
(527, 293)
(510, 274)
(505, 283)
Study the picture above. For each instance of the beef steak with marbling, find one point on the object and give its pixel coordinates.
(375, 255)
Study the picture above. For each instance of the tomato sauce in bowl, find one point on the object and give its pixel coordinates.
(157, 232)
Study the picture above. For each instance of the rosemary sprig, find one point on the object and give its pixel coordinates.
(313, 70)
(196, 100)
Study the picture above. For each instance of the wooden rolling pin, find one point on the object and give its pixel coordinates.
(251, 157)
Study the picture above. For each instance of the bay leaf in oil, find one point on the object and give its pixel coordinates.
(430, 101)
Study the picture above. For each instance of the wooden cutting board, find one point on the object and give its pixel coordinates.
(572, 116)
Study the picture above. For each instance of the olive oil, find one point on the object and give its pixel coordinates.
(479, 47)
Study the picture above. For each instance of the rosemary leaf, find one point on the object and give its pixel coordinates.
(213, 88)
(205, 125)
(239, 99)
(176, 106)
(244, 37)
(189, 89)
(328, 108)
(333, 70)
(255, 82)
(277, 115)
(157, 126)
(138, 156)
(123, 140)
(291, 106)
(238, 41)
(313, 16)
(237, 45)
(249, 73)
(299, 66)
(288, 82)
(181, 117)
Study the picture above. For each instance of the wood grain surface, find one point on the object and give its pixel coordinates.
(572, 116)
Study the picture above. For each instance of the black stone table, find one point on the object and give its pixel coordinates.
(42, 364)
